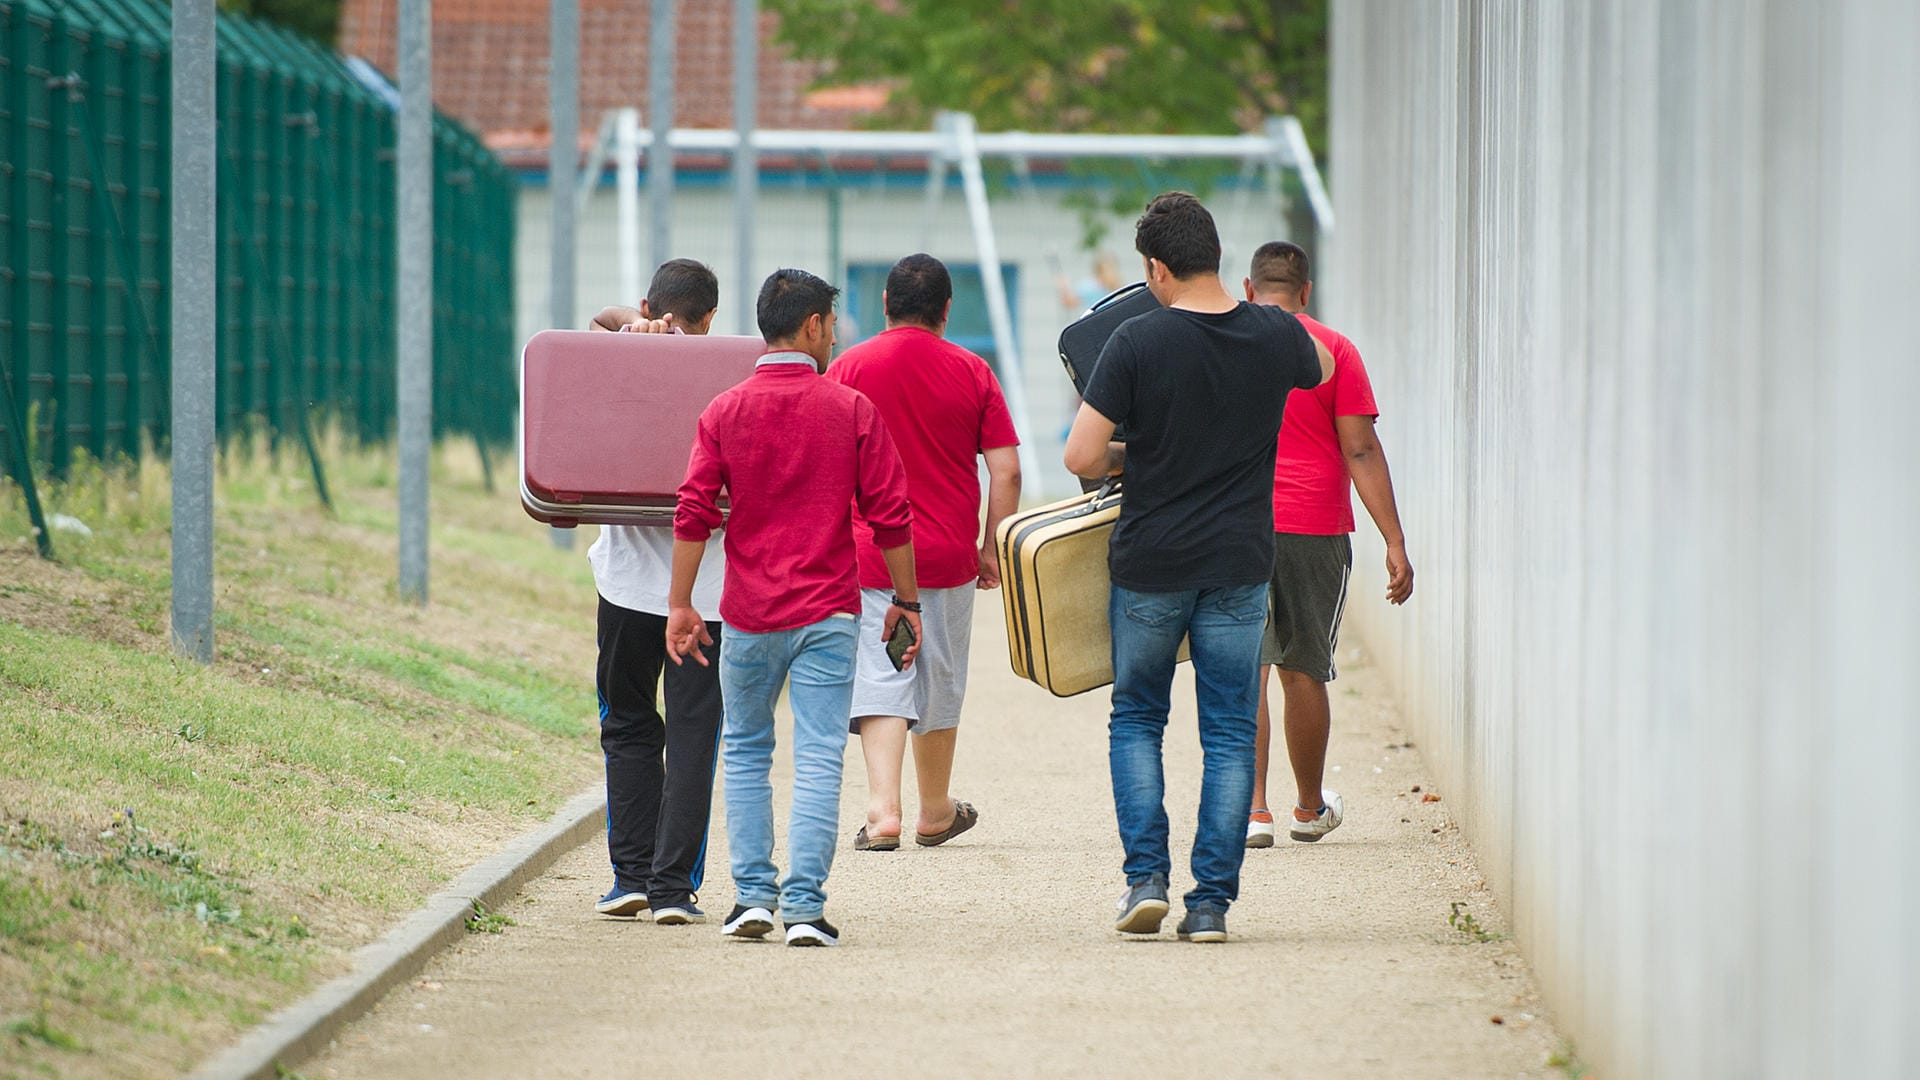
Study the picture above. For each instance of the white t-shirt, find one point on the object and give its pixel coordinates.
(633, 569)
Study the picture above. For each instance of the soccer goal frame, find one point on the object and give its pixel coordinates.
(956, 143)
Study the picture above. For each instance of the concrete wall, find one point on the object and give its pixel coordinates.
(1035, 231)
(1636, 283)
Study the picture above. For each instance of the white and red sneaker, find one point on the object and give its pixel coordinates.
(1260, 829)
(1322, 823)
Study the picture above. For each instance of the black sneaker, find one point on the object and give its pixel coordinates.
(1142, 906)
(813, 932)
(678, 914)
(748, 923)
(1204, 927)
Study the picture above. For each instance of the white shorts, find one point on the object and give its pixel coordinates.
(929, 693)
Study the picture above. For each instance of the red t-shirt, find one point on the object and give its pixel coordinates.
(1311, 488)
(942, 406)
(793, 451)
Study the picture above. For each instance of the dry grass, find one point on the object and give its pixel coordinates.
(345, 754)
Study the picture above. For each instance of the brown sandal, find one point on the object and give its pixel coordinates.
(964, 818)
(863, 842)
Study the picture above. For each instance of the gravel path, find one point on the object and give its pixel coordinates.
(995, 956)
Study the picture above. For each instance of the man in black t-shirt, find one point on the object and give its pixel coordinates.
(1201, 385)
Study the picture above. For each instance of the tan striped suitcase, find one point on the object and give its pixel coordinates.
(1054, 585)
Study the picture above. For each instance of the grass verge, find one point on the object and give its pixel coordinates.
(184, 849)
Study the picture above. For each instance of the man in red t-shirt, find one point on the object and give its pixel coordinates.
(1326, 440)
(944, 409)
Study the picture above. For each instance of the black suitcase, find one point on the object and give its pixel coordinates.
(1082, 340)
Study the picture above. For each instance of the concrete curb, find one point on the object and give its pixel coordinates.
(305, 1027)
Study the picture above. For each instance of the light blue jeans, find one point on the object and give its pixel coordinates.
(1224, 626)
(819, 659)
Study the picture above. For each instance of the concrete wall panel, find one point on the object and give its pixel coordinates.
(1633, 282)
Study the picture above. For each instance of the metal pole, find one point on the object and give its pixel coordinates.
(1286, 131)
(1013, 380)
(936, 183)
(626, 171)
(660, 111)
(563, 111)
(746, 162)
(414, 262)
(16, 420)
(588, 175)
(195, 182)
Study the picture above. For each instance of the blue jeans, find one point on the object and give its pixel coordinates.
(753, 667)
(1224, 626)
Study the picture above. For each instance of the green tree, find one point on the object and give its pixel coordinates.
(1172, 66)
(317, 19)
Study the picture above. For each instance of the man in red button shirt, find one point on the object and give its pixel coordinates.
(795, 454)
(1326, 440)
(944, 409)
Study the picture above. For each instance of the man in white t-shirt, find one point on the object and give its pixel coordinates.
(657, 810)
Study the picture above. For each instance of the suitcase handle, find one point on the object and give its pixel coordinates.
(1109, 490)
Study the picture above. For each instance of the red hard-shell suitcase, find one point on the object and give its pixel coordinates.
(607, 420)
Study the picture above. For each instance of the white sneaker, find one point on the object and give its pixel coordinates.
(1329, 819)
(1260, 829)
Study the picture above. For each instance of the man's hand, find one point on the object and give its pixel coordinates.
(651, 326)
(686, 632)
(1399, 574)
(894, 614)
(989, 567)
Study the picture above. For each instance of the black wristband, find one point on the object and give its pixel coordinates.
(907, 605)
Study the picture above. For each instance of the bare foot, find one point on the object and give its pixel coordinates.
(883, 825)
(928, 826)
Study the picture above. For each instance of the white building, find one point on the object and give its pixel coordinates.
(1040, 231)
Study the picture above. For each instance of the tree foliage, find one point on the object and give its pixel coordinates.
(1171, 66)
(317, 19)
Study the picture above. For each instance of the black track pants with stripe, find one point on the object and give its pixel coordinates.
(659, 769)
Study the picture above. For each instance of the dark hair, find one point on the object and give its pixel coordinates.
(787, 298)
(684, 288)
(918, 288)
(1179, 232)
(1279, 265)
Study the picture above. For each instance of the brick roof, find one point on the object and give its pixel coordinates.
(490, 68)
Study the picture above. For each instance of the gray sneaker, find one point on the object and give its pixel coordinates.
(1204, 927)
(1142, 906)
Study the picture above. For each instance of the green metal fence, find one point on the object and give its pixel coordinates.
(306, 198)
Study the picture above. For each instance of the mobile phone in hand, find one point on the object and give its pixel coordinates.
(898, 644)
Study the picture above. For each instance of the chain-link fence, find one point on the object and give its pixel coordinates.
(306, 195)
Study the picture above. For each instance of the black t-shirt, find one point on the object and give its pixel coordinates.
(1201, 396)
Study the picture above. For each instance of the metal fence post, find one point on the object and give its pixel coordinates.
(660, 58)
(414, 257)
(15, 419)
(746, 163)
(194, 183)
(563, 108)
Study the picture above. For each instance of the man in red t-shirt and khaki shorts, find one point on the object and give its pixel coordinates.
(945, 410)
(1326, 440)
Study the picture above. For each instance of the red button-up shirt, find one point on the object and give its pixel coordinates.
(795, 453)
